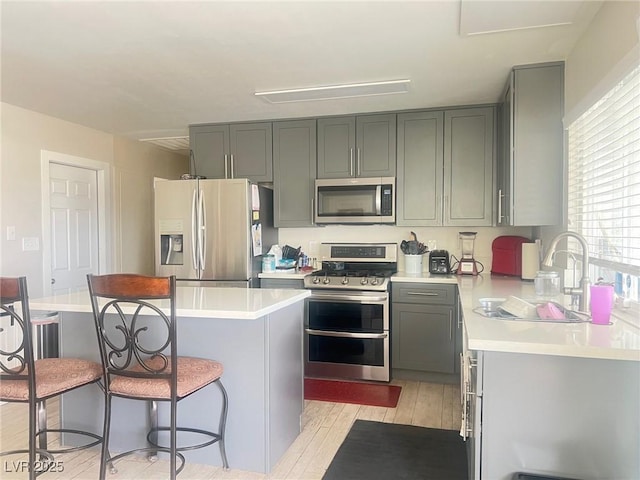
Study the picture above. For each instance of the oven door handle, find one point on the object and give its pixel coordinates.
(326, 333)
(351, 298)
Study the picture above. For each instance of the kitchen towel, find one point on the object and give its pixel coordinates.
(530, 261)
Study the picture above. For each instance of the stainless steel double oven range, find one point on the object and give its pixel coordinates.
(347, 314)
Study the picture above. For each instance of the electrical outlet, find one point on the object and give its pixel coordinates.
(30, 244)
(11, 233)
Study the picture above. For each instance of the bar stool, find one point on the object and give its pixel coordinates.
(135, 319)
(25, 380)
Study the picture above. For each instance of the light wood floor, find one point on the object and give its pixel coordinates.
(325, 427)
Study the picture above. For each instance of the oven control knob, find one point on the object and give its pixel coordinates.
(363, 281)
(375, 281)
(345, 281)
(326, 280)
(316, 280)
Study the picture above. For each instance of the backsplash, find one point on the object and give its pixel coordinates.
(445, 238)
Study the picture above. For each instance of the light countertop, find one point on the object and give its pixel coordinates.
(618, 341)
(204, 302)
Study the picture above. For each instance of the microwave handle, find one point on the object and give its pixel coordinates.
(379, 200)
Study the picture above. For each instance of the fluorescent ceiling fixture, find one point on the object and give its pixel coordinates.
(336, 91)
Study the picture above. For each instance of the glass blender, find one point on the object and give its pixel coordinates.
(467, 265)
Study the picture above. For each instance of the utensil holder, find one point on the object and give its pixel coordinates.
(413, 263)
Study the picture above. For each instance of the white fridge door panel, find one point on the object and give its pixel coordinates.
(227, 248)
(175, 242)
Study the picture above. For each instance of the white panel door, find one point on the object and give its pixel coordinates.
(74, 226)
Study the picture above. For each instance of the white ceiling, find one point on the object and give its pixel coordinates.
(149, 69)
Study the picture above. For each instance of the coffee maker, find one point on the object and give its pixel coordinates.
(467, 264)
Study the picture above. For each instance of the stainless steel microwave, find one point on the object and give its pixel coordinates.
(355, 200)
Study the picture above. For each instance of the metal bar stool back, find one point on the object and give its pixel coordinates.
(26, 380)
(135, 318)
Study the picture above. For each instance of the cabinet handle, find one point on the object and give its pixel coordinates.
(500, 197)
(226, 166)
(450, 325)
(232, 166)
(351, 162)
(358, 164)
(312, 211)
(423, 294)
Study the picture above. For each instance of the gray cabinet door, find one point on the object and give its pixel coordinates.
(423, 337)
(336, 147)
(375, 146)
(537, 145)
(468, 166)
(503, 195)
(210, 146)
(363, 146)
(251, 151)
(242, 150)
(420, 175)
(294, 163)
(281, 283)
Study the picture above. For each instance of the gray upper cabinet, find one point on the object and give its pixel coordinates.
(445, 167)
(242, 150)
(530, 171)
(357, 146)
(294, 164)
(420, 170)
(469, 153)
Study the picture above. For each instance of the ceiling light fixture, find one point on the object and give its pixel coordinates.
(336, 91)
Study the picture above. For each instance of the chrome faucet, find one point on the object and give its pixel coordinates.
(583, 290)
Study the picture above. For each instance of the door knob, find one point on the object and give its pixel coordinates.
(53, 280)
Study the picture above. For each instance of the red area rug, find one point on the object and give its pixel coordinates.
(376, 395)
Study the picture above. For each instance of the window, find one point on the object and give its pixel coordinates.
(604, 186)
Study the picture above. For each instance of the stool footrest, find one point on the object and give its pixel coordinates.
(214, 437)
(115, 458)
(97, 439)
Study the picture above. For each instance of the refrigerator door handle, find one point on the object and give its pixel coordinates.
(194, 221)
(202, 228)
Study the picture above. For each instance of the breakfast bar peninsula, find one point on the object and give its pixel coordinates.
(255, 333)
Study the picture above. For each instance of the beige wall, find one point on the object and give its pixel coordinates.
(136, 164)
(602, 55)
(24, 134)
(595, 61)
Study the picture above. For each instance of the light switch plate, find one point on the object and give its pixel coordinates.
(30, 244)
(11, 233)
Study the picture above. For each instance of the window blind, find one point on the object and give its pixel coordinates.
(604, 177)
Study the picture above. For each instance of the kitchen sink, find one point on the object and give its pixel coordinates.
(495, 308)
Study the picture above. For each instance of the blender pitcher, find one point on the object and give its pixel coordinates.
(467, 264)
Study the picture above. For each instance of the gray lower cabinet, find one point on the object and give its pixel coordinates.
(357, 146)
(530, 167)
(294, 165)
(424, 327)
(558, 416)
(242, 150)
(281, 283)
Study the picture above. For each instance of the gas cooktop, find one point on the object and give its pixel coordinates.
(354, 266)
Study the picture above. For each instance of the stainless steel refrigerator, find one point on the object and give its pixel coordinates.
(206, 231)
